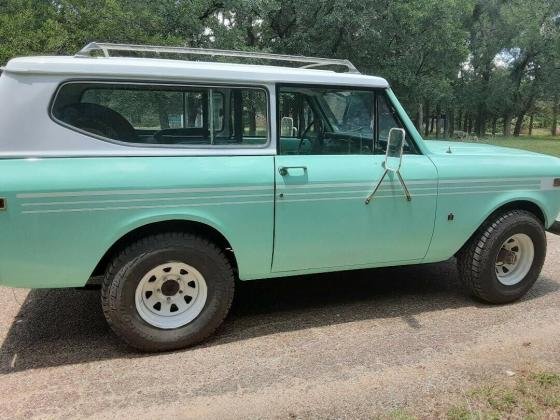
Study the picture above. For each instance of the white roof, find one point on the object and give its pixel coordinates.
(162, 69)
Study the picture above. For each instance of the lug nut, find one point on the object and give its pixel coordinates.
(180, 291)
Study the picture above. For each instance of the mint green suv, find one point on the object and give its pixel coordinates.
(166, 180)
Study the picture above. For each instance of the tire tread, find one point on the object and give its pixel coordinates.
(472, 259)
(120, 321)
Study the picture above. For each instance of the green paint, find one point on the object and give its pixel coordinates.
(63, 214)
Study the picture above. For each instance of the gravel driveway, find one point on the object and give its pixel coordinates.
(339, 345)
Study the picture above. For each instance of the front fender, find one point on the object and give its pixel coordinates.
(458, 217)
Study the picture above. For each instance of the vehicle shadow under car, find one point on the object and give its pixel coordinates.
(57, 327)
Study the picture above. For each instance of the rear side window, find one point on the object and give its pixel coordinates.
(165, 115)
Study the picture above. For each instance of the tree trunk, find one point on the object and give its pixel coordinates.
(465, 122)
(427, 119)
(555, 114)
(420, 118)
(438, 122)
(431, 124)
(162, 112)
(494, 123)
(527, 107)
(531, 125)
(450, 123)
(507, 125)
(518, 124)
(252, 115)
(469, 126)
(480, 122)
(192, 111)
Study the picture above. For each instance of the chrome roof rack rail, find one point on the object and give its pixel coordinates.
(308, 62)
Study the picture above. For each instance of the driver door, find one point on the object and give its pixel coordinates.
(325, 172)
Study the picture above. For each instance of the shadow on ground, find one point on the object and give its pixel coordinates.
(66, 326)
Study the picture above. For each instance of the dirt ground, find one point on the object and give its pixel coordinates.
(343, 345)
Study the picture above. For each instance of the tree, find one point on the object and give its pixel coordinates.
(474, 62)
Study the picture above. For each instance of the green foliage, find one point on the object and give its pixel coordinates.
(475, 61)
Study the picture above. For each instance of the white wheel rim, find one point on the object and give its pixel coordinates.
(171, 295)
(515, 259)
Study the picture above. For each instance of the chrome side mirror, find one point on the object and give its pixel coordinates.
(393, 160)
(287, 128)
(395, 144)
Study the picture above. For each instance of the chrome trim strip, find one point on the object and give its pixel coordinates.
(361, 198)
(520, 185)
(539, 183)
(350, 184)
(133, 200)
(144, 207)
(132, 192)
(454, 181)
(394, 195)
(487, 192)
(364, 191)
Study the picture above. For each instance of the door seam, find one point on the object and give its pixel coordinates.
(273, 214)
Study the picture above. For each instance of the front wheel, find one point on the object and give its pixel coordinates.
(167, 291)
(504, 258)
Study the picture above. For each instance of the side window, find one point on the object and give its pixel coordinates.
(388, 119)
(248, 122)
(165, 115)
(326, 121)
(143, 109)
(329, 121)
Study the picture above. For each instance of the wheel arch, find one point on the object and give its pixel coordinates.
(203, 228)
(526, 204)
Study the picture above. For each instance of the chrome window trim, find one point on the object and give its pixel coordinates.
(130, 145)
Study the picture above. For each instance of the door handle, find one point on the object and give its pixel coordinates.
(283, 170)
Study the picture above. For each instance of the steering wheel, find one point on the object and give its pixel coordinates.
(303, 136)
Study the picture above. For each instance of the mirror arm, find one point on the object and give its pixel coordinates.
(406, 192)
(370, 197)
(408, 197)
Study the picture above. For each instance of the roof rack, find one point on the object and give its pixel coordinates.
(308, 62)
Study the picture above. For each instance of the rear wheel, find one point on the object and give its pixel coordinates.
(504, 258)
(167, 291)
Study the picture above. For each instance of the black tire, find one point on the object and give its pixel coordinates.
(476, 261)
(127, 269)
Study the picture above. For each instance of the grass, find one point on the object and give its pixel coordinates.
(528, 396)
(531, 396)
(541, 144)
(547, 145)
